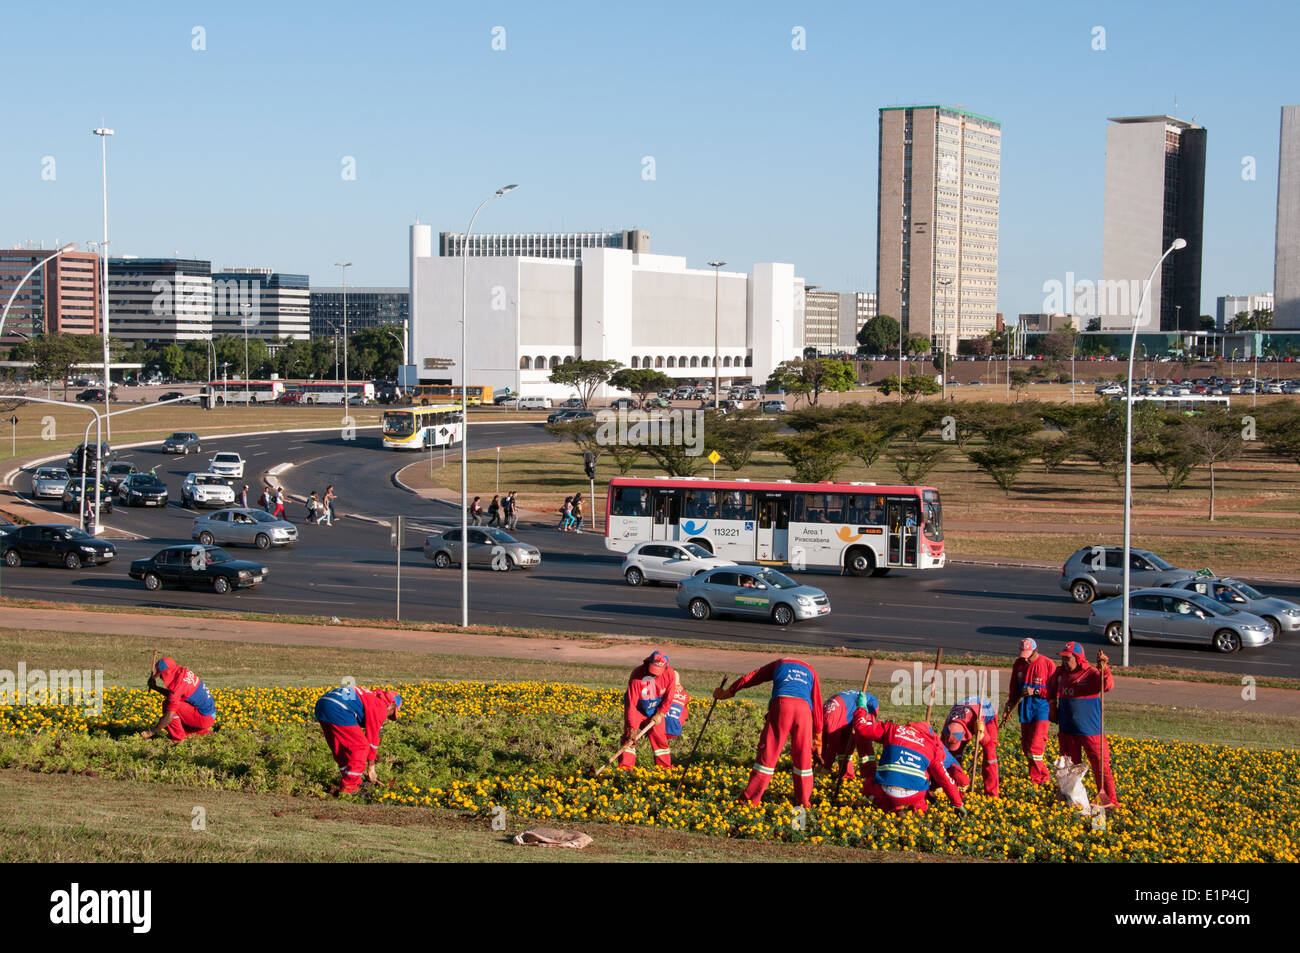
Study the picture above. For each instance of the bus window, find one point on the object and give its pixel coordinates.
(629, 501)
(834, 508)
(700, 504)
(737, 505)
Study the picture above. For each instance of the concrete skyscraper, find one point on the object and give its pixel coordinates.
(1155, 192)
(1286, 255)
(937, 221)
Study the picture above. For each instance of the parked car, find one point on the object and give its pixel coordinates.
(227, 463)
(563, 416)
(772, 407)
(1099, 571)
(1166, 615)
(243, 525)
(48, 482)
(488, 546)
(1281, 615)
(183, 442)
(68, 546)
(573, 403)
(753, 592)
(527, 403)
(625, 403)
(142, 489)
(92, 395)
(175, 395)
(88, 454)
(657, 403)
(190, 566)
(71, 499)
(668, 562)
(115, 473)
(206, 489)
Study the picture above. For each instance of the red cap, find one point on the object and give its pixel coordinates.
(1028, 647)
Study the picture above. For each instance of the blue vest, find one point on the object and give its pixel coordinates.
(202, 701)
(902, 767)
(1079, 716)
(793, 680)
(673, 719)
(341, 706)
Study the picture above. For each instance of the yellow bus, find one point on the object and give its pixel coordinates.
(443, 393)
(417, 428)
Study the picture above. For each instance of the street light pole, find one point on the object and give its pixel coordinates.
(464, 407)
(103, 134)
(345, 265)
(1128, 438)
(717, 380)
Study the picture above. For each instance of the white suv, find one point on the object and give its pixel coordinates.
(206, 489)
(529, 403)
(227, 464)
(668, 562)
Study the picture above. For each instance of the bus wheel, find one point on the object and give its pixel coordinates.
(703, 544)
(860, 561)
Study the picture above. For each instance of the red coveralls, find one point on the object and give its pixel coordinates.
(183, 687)
(795, 711)
(646, 694)
(963, 723)
(355, 744)
(1076, 700)
(839, 727)
(1032, 674)
(911, 758)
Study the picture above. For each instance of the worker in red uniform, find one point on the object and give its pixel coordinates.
(973, 720)
(351, 720)
(1029, 676)
(840, 718)
(188, 708)
(650, 690)
(1074, 697)
(911, 759)
(795, 711)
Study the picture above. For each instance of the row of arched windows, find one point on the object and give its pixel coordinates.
(542, 363)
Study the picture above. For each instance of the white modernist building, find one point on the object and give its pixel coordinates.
(529, 315)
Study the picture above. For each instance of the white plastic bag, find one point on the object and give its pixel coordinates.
(1069, 783)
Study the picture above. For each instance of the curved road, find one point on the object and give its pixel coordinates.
(349, 570)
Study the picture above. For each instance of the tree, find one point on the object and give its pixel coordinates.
(1207, 322)
(913, 387)
(1019, 380)
(1003, 460)
(816, 456)
(879, 335)
(1260, 319)
(1094, 325)
(583, 433)
(737, 437)
(1279, 430)
(811, 376)
(674, 459)
(975, 347)
(1059, 345)
(1212, 438)
(625, 457)
(376, 351)
(54, 355)
(584, 376)
(918, 344)
(912, 458)
(641, 381)
(1101, 436)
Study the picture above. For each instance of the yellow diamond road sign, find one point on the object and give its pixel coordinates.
(713, 456)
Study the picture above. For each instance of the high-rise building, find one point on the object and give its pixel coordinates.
(1155, 192)
(1228, 307)
(367, 307)
(160, 299)
(270, 305)
(1286, 255)
(937, 221)
(542, 244)
(60, 298)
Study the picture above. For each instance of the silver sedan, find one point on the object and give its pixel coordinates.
(48, 483)
(250, 527)
(1164, 615)
(488, 546)
(753, 591)
(1282, 616)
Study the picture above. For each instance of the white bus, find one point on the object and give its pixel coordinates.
(245, 392)
(861, 528)
(416, 428)
(1188, 403)
(331, 392)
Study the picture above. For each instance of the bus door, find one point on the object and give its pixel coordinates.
(667, 513)
(903, 520)
(773, 529)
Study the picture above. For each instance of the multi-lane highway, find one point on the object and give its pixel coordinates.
(350, 571)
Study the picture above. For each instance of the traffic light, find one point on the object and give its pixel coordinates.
(589, 464)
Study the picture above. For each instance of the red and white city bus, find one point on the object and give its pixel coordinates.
(864, 528)
(245, 392)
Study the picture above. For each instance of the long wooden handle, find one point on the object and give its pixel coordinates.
(698, 738)
(934, 684)
(641, 734)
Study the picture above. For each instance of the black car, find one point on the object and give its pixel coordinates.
(196, 565)
(142, 489)
(88, 453)
(183, 442)
(71, 500)
(171, 395)
(92, 396)
(66, 545)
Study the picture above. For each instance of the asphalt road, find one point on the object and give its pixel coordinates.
(350, 571)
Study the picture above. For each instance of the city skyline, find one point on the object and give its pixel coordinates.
(730, 181)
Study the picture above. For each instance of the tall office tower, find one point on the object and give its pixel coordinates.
(1155, 192)
(937, 221)
(1286, 255)
(60, 298)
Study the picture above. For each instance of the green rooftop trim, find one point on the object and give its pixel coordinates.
(951, 109)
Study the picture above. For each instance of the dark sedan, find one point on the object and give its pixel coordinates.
(195, 565)
(68, 546)
(71, 500)
(142, 489)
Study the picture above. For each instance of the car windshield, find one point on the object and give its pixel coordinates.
(120, 468)
(202, 479)
(1248, 591)
(74, 532)
(1158, 562)
(498, 536)
(51, 474)
(179, 436)
(776, 580)
(226, 458)
(699, 552)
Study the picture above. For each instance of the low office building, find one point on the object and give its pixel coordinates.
(159, 299)
(269, 305)
(367, 307)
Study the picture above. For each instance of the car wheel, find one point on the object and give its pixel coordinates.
(1227, 641)
(1275, 626)
(12, 558)
(634, 577)
(860, 562)
(221, 585)
(152, 582)
(72, 561)
(206, 538)
(263, 541)
(1115, 633)
(783, 614)
(1082, 591)
(880, 571)
(441, 560)
(700, 609)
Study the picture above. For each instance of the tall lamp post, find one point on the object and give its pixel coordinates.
(103, 134)
(464, 407)
(345, 265)
(1178, 243)
(945, 282)
(717, 379)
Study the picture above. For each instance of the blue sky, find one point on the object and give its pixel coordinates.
(761, 152)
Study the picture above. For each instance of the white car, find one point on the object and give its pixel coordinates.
(528, 403)
(48, 483)
(227, 464)
(206, 489)
(668, 562)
